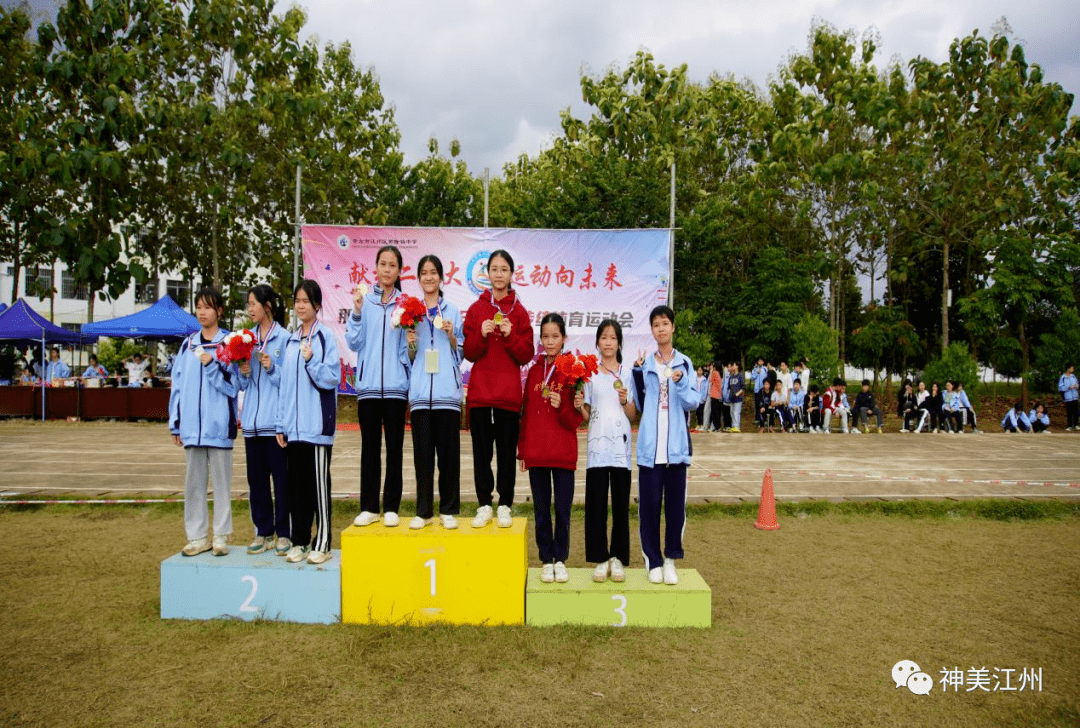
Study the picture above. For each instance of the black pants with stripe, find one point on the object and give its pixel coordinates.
(597, 548)
(375, 416)
(494, 429)
(309, 493)
(437, 433)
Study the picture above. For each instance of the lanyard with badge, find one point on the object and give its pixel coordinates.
(431, 355)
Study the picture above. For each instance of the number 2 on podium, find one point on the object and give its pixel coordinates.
(430, 564)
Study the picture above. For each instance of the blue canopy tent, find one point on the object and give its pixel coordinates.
(23, 325)
(164, 321)
(3, 307)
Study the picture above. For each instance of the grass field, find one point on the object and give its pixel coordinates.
(807, 624)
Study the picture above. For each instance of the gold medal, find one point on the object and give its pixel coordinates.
(438, 322)
(545, 392)
(668, 372)
(362, 289)
(498, 317)
(618, 384)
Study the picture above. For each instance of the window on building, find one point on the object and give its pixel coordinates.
(179, 291)
(72, 327)
(146, 292)
(69, 290)
(39, 281)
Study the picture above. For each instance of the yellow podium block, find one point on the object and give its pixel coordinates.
(432, 575)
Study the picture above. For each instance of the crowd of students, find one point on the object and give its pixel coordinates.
(785, 401)
(27, 368)
(289, 422)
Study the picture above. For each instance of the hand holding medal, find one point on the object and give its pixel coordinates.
(358, 296)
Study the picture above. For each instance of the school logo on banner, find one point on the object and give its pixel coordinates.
(476, 272)
(343, 242)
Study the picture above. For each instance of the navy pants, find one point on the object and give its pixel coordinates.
(377, 416)
(663, 485)
(597, 482)
(552, 547)
(266, 460)
(437, 433)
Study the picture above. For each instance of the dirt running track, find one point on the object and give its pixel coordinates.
(134, 460)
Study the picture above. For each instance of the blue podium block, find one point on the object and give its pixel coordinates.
(633, 603)
(238, 586)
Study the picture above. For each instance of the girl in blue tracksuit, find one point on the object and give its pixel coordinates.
(306, 420)
(382, 387)
(259, 380)
(435, 395)
(202, 419)
(663, 392)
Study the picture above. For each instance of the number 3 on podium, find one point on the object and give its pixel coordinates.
(430, 564)
(620, 610)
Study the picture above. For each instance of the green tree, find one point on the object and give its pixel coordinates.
(813, 340)
(690, 340)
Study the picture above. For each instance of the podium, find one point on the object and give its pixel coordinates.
(434, 575)
(633, 603)
(239, 586)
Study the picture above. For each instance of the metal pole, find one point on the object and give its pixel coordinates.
(487, 186)
(296, 240)
(671, 241)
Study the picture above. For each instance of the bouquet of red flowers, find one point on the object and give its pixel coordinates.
(576, 370)
(236, 346)
(408, 312)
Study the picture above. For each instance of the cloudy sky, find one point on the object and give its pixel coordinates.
(495, 74)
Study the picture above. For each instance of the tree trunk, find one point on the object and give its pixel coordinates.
(214, 250)
(945, 299)
(92, 294)
(1024, 354)
(888, 263)
(16, 265)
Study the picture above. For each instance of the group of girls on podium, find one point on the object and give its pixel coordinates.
(289, 419)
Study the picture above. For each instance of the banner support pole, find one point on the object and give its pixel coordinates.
(487, 187)
(671, 241)
(296, 238)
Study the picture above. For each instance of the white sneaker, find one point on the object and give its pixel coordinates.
(547, 573)
(260, 544)
(318, 557)
(417, 523)
(904, 430)
(656, 576)
(366, 518)
(855, 431)
(600, 573)
(297, 554)
(617, 573)
(221, 545)
(282, 546)
(504, 518)
(483, 517)
(561, 575)
(196, 547)
(671, 576)
(390, 519)
(448, 522)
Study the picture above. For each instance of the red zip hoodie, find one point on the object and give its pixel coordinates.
(495, 379)
(548, 437)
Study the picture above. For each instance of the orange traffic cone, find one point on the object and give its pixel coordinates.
(766, 515)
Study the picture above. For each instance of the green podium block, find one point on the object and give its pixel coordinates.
(633, 603)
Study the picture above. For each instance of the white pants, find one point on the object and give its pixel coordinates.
(842, 413)
(202, 464)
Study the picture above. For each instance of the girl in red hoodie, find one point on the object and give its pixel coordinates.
(547, 448)
(498, 340)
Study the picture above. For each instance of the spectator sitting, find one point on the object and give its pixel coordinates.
(796, 406)
(95, 370)
(950, 409)
(832, 403)
(922, 397)
(967, 412)
(813, 408)
(907, 408)
(1015, 420)
(864, 405)
(778, 407)
(1039, 419)
(136, 369)
(764, 398)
